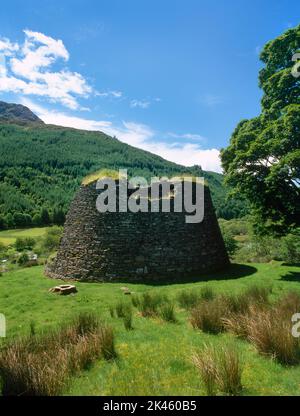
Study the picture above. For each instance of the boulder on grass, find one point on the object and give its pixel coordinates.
(125, 290)
(63, 289)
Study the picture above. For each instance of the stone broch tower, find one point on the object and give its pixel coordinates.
(137, 246)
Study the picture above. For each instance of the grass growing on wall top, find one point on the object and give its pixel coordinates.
(100, 174)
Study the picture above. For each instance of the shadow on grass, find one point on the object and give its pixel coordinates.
(234, 271)
(291, 264)
(291, 276)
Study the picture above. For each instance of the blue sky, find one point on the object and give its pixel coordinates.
(171, 76)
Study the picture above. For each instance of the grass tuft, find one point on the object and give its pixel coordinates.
(208, 315)
(149, 302)
(207, 293)
(269, 328)
(123, 309)
(41, 365)
(220, 369)
(253, 295)
(85, 323)
(127, 320)
(135, 299)
(188, 299)
(107, 338)
(111, 311)
(271, 333)
(167, 312)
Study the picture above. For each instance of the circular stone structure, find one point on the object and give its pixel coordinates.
(141, 246)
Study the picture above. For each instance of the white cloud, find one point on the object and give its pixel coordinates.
(114, 94)
(62, 119)
(210, 100)
(28, 70)
(8, 47)
(38, 52)
(188, 155)
(144, 103)
(187, 136)
(139, 103)
(2, 67)
(138, 135)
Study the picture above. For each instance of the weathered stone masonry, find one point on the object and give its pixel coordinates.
(140, 246)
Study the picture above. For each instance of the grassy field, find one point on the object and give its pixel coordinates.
(8, 237)
(155, 357)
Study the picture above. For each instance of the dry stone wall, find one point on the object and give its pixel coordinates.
(137, 246)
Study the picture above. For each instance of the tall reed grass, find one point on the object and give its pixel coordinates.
(41, 365)
(148, 303)
(220, 369)
(188, 299)
(269, 328)
(211, 315)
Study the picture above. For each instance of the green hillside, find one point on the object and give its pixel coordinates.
(41, 167)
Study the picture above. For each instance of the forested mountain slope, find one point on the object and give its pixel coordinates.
(41, 166)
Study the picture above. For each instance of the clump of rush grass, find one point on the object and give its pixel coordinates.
(41, 365)
(253, 295)
(135, 299)
(251, 316)
(167, 312)
(127, 320)
(259, 293)
(85, 323)
(149, 302)
(230, 370)
(237, 324)
(208, 315)
(25, 372)
(107, 337)
(269, 328)
(215, 314)
(111, 311)
(250, 302)
(289, 303)
(188, 299)
(205, 363)
(271, 333)
(220, 369)
(207, 293)
(122, 309)
(154, 304)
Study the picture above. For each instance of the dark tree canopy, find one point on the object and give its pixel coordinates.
(262, 161)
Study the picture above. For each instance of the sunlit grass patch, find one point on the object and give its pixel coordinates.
(154, 358)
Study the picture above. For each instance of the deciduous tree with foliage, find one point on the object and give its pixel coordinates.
(262, 161)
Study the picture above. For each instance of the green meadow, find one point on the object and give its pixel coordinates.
(8, 237)
(155, 357)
